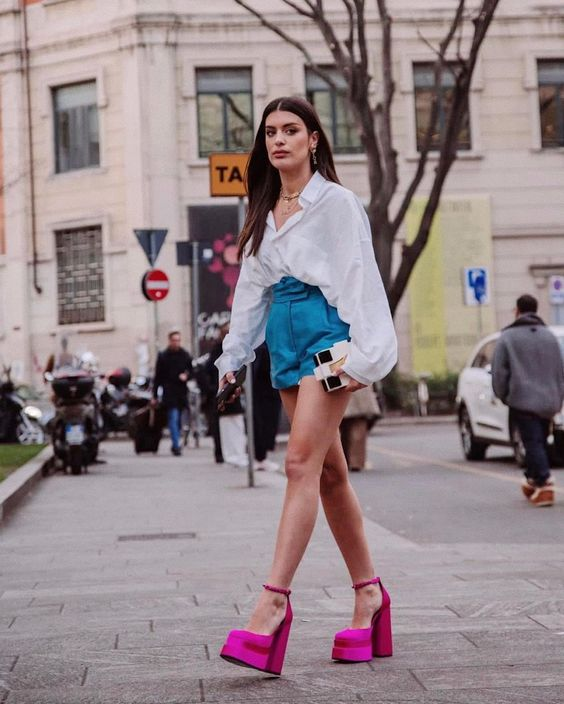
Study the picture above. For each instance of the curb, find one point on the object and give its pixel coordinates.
(416, 420)
(389, 422)
(19, 483)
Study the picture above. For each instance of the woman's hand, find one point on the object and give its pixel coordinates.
(229, 378)
(353, 384)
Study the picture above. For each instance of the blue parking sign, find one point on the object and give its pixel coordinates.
(476, 286)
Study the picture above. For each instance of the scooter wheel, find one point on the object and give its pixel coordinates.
(75, 459)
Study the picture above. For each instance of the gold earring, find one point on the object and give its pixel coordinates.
(314, 149)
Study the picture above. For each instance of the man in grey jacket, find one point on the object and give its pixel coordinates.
(528, 376)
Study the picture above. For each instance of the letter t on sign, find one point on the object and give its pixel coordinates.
(226, 174)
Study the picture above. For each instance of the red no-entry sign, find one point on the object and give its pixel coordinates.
(155, 285)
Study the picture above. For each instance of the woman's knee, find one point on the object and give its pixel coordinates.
(300, 465)
(334, 477)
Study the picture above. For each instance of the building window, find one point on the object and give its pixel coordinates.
(551, 102)
(80, 275)
(333, 110)
(424, 84)
(225, 110)
(77, 141)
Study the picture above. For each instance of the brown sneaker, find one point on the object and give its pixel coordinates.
(528, 488)
(543, 495)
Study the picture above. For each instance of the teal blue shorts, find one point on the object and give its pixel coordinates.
(300, 323)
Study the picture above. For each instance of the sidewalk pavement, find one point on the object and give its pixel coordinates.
(118, 587)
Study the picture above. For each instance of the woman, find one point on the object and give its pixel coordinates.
(308, 280)
(360, 415)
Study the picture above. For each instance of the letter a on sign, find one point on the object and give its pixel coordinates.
(227, 174)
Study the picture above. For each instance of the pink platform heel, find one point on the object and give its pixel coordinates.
(265, 653)
(362, 644)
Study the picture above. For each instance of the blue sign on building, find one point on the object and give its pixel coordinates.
(476, 286)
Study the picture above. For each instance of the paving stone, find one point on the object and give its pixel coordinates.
(503, 640)
(7, 663)
(171, 656)
(6, 623)
(141, 692)
(44, 625)
(496, 676)
(337, 680)
(553, 621)
(509, 695)
(44, 671)
(93, 589)
(480, 609)
(66, 643)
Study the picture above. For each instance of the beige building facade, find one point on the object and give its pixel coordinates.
(106, 127)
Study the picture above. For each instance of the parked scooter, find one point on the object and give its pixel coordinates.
(115, 400)
(75, 432)
(19, 421)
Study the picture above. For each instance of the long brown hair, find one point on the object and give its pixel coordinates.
(263, 179)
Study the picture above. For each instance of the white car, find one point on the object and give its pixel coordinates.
(483, 419)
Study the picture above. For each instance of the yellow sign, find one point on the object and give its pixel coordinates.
(227, 174)
(443, 328)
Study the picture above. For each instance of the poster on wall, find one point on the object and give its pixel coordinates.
(443, 327)
(217, 226)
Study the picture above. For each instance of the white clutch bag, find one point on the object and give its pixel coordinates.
(327, 362)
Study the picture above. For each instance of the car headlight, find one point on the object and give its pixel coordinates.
(33, 412)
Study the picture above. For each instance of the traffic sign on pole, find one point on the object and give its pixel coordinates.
(188, 255)
(227, 174)
(476, 286)
(556, 290)
(151, 241)
(155, 285)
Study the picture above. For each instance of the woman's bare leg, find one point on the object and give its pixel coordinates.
(344, 516)
(315, 423)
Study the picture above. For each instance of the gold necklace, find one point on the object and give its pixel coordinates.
(288, 198)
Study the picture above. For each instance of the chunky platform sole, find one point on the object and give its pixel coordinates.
(259, 652)
(363, 644)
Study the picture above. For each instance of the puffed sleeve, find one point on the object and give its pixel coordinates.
(249, 314)
(355, 288)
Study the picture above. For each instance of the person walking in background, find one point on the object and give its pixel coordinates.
(528, 376)
(360, 415)
(309, 280)
(227, 427)
(266, 410)
(172, 371)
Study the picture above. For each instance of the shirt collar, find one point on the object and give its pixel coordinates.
(312, 188)
(308, 196)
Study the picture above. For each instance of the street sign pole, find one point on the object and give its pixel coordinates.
(151, 240)
(227, 178)
(248, 382)
(195, 298)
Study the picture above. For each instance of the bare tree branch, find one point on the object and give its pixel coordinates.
(361, 35)
(349, 43)
(325, 75)
(351, 59)
(383, 118)
(447, 155)
(426, 145)
(299, 9)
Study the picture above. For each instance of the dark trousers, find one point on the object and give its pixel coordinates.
(266, 416)
(534, 433)
(173, 416)
(213, 427)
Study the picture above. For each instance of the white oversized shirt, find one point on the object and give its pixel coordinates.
(326, 244)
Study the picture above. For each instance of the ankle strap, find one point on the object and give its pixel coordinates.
(278, 590)
(359, 585)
